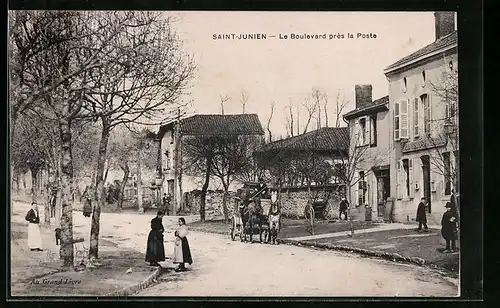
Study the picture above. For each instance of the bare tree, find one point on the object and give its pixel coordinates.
(317, 96)
(340, 104)
(244, 100)
(223, 100)
(144, 73)
(270, 136)
(311, 107)
(290, 111)
(325, 108)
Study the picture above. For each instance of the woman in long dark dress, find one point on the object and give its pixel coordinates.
(155, 251)
(182, 253)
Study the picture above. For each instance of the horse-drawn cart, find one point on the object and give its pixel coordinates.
(253, 215)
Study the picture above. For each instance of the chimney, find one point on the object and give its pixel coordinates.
(444, 23)
(363, 95)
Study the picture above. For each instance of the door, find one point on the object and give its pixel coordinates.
(380, 197)
(426, 172)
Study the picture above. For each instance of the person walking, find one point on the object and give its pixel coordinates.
(166, 203)
(182, 253)
(155, 250)
(344, 205)
(421, 216)
(34, 236)
(449, 228)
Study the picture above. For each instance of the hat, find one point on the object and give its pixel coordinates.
(448, 204)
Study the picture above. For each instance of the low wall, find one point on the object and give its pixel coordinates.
(213, 206)
(294, 200)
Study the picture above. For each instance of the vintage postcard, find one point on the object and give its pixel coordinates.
(234, 154)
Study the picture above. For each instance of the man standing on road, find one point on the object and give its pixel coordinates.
(344, 205)
(166, 203)
(421, 216)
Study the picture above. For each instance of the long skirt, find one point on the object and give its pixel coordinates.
(34, 236)
(155, 251)
(182, 253)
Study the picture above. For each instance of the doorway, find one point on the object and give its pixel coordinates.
(383, 191)
(426, 174)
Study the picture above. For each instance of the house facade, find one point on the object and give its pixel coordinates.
(369, 157)
(302, 168)
(175, 181)
(423, 108)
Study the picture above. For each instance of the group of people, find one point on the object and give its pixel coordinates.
(155, 251)
(449, 222)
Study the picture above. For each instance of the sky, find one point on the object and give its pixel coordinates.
(286, 71)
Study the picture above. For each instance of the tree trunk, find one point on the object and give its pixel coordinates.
(126, 173)
(224, 202)
(96, 210)
(46, 211)
(66, 250)
(139, 182)
(348, 198)
(204, 189)
(34, 173)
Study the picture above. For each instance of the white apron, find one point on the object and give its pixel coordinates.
(34, 236)
(177, 257)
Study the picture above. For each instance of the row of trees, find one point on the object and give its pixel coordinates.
(70, 71)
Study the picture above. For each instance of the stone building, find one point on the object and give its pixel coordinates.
(423, 106)
(369, 150)
(171, 159)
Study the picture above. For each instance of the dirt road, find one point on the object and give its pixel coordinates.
(226, 268)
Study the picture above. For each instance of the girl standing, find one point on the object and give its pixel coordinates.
(182, 253)
(34, 236)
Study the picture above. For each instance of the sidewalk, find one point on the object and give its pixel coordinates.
(41, 273)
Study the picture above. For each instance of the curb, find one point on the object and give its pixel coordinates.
(366, 252)
(139, 286)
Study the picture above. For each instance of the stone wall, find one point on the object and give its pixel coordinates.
(213, 206)
(294, 201)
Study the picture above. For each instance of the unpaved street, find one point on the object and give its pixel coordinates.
(226, 268)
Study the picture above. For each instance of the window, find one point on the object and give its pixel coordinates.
(172, 135)
(406, 168)
(416, 131)
(427, 113)
(404, 120)
(361, 188)
(167, 161)
(396, 121)
(362, 126)
(373, 130)
(422, 80)
(447, 173)
(404, 85)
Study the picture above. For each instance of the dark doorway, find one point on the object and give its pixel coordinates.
(426, 171)
(383, 191)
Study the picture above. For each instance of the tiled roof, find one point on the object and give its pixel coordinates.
(218, 124)
(323, 139)
(440, 43)
(377, 105)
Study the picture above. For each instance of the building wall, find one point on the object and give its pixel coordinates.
(405, 206)
(370, 156)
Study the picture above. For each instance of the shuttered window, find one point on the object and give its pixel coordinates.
(427, 113)
(404, 119)
(411, 180)
(416, 131)
(396, 121)
(373, 130)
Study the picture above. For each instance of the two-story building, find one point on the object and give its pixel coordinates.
(369, 155)
(423, 106)
(171, 136)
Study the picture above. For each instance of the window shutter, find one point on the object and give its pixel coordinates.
(356, 195)
(367, 131)
(416, 121)
(404, 119)
(410, 174)
(416, 173)
(372, 129)
(356, 133)
(396, 121)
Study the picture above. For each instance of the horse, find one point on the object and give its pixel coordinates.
(252, 219)
(274, 220)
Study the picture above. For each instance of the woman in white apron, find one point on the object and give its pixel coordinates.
(34, 236)
(182, 252)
